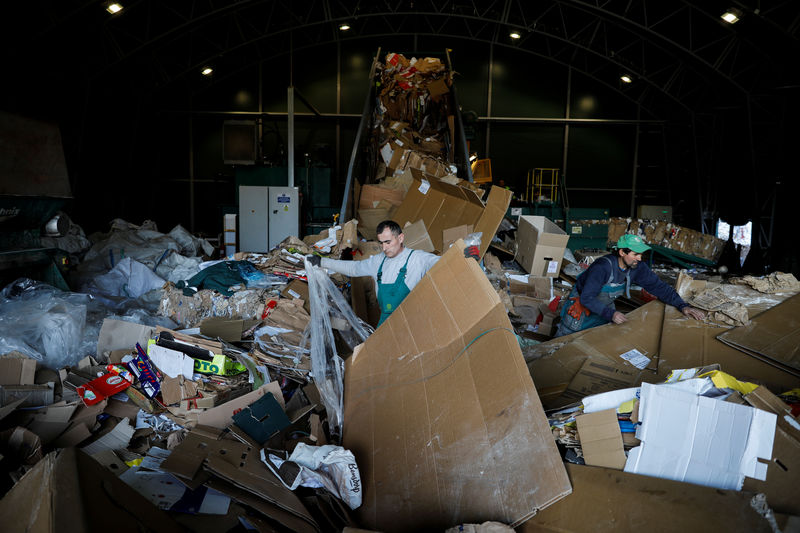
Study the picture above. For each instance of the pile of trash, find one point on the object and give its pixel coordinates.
(412, 132)
(253, 390)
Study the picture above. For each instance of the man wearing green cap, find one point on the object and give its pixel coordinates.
(591, 302)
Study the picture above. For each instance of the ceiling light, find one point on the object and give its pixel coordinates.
(625, 78)
(344, 27)
(114, 8)
(731, 16)
(514, 35)
(207, 71)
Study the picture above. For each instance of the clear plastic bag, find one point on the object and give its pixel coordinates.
(473, 239)
(43, 322)
(326, 365)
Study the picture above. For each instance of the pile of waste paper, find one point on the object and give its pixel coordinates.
(177, 389)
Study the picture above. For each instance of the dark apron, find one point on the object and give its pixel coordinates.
(390, 295)
(587, 319)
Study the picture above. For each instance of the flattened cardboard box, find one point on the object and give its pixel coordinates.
(68, 492)
(610, 500)
(687, 343)
(442, 206)
(553, 373)
(773, 336)
(441, 414)
(784, 468)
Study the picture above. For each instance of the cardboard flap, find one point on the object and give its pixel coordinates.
(70, 491)
(601, 439)
(774, 336)
(441, 411)
(496, 206)
(610, 500)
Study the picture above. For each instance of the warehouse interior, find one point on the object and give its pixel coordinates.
(165, 109)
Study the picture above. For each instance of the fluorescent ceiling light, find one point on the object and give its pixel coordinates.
(514, 35)
(625, 78)
(207, 71)
(344, 27)
(731, 16)
(114, 8)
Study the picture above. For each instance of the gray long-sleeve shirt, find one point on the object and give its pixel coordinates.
(418, 265)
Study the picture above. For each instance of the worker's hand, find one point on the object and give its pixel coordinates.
(314, 259)
(618, 318)
(697, 314)
(473, 252)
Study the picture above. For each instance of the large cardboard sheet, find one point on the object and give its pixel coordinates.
(610, 500)
(553, 373)
(687, 343)
(442, 415)
(700, 440)
(773, 336)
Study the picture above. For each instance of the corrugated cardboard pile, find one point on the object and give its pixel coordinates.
(668, 235)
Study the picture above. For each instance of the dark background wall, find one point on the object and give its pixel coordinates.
(143, 156)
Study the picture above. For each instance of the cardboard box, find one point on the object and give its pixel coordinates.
(540, 246)
(442, 417)
(451, 235)
(610, 500)
(417, 238)
(700, 440)
(17, 371)
(70, 491)
(442, 206)
(371, 196)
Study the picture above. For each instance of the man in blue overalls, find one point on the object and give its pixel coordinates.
(396, 271)
(591, 302)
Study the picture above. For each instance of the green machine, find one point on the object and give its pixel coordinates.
(34, 186)
(587, 227)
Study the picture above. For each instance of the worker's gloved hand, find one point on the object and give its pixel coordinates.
(697, 314)
(315, 260)
(473, 252)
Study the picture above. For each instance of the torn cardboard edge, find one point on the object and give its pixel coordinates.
(450, 333)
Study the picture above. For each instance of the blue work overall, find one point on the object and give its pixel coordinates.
(390, 295)
(608, 293)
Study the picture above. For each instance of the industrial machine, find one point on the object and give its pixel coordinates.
(34, 186)
(267, 215)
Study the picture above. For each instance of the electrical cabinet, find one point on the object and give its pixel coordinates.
(267, 215)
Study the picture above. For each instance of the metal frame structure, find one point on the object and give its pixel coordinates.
(682, 56)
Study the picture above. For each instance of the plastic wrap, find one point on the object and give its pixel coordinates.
(326, 365)
(43, 322)
(473, 239)
(128, 279)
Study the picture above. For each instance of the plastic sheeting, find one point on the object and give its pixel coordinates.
(58, 328)
(326, 365)
(42, 322)
(128, 279)
(142, 243)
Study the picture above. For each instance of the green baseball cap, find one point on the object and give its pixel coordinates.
(632, 242)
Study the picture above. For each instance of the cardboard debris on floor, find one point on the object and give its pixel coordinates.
(70, 491)
(610, 500)
(437, 441)
(773, 336)
(554, 372)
